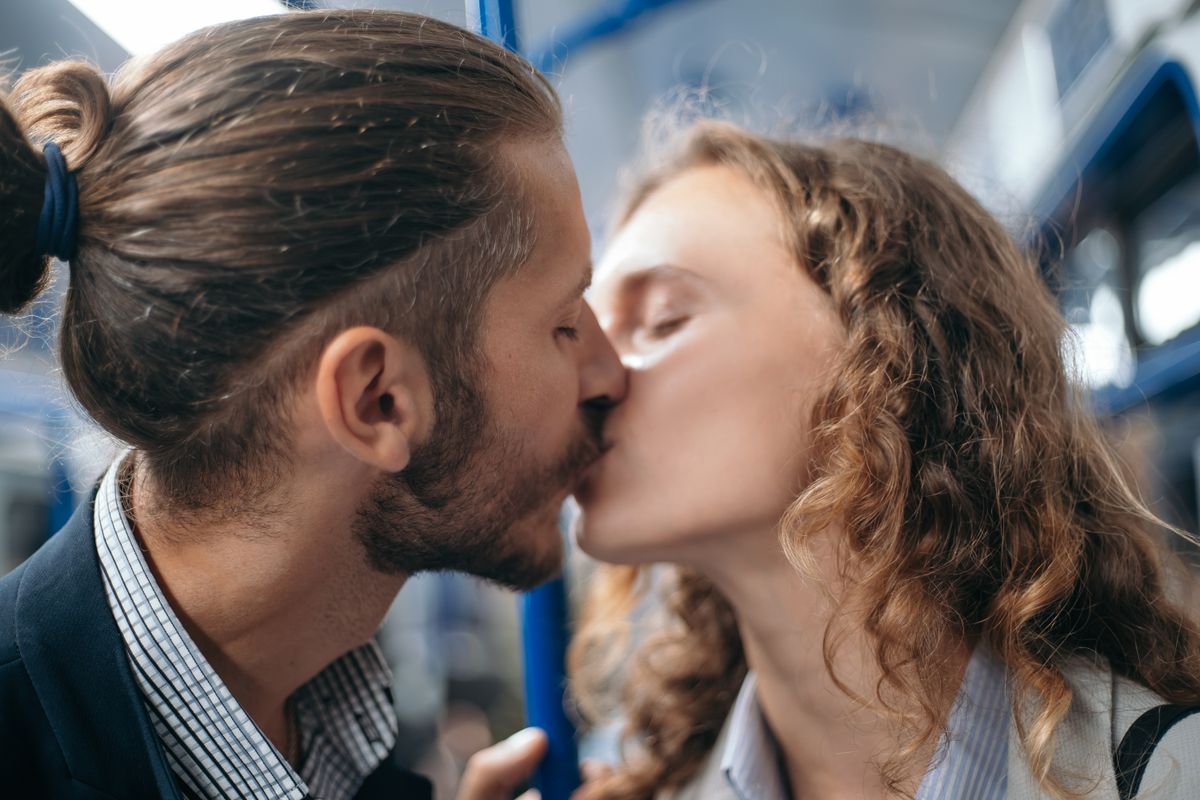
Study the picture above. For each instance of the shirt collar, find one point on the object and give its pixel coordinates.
(971, 758)
(750, 761)
(347, 721)
(971, 762)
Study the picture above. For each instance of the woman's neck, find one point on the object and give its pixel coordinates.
(831, 744)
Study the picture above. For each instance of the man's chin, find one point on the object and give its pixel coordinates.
(538, 556)
(524, 570)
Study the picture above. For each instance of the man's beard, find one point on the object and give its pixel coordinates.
(473, 499)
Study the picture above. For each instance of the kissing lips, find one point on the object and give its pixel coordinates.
(586, 477)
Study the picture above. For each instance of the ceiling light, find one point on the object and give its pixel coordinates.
(143, 26)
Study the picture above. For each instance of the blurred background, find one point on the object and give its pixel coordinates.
(1076, 121)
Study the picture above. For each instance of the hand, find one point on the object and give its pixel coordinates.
(592, 771)
(495, 773)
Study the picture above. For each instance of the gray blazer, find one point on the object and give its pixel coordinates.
(1103, 708)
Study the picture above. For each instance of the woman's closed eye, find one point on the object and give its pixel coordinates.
(652, 307)
(658, 329)
(662, 328)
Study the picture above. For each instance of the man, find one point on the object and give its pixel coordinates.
(326, 283)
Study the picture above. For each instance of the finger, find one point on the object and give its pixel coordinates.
(532, 794)
(593, 769)
(585, 792)
(494, 773)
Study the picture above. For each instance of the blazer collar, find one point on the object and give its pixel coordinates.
(1083, 756)
(79, 669)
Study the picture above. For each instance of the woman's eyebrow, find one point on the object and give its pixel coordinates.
(659, 273)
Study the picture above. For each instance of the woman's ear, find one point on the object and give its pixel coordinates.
(374, 396)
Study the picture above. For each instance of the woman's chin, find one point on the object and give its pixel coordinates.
(610, 527)
(604, 543)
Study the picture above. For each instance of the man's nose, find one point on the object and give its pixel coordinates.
(603, 379)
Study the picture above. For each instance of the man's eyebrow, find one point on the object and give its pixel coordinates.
(584, 284)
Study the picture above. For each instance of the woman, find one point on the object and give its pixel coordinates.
(906, 563)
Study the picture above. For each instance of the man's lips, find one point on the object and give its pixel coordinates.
(587, 471)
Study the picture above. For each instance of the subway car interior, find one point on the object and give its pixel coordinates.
(1076, 121)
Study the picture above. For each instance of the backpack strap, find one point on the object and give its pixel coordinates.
(1133, 754)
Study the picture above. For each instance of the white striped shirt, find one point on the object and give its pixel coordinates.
(345, 716)
(972, 757)
(971, 761)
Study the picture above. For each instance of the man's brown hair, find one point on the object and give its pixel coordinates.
(249, 191)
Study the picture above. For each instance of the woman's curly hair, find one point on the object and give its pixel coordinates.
(976, 499)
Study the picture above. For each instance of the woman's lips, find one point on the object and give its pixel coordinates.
(589, 474)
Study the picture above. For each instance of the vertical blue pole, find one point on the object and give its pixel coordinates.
(544, 636)
(494, 19)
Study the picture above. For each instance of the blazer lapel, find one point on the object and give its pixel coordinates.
(77, 663)
(1083, 757)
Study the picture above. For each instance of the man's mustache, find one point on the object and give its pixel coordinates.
(588, 448)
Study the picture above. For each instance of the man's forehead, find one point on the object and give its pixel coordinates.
(540, 163)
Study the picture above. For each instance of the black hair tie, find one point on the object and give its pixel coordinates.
(59, 220)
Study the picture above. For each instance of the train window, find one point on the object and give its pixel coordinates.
(33, 335)
(1093, 304)
(24, 489)
(1078, 32)
(28, 517)
(1166, 240)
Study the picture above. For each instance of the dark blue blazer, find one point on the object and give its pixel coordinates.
(72, 722)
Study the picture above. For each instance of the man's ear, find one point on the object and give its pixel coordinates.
(374, 396)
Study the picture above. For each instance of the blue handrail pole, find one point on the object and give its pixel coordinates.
(545, 622)
(545, 631)
(603, 22)
(494, 19)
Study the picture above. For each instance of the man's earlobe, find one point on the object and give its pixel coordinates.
(373, 395)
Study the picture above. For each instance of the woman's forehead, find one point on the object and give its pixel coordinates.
(708, 220)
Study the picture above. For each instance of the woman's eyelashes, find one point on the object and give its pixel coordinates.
(659, 326)
(648, 313)
(662, 328)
